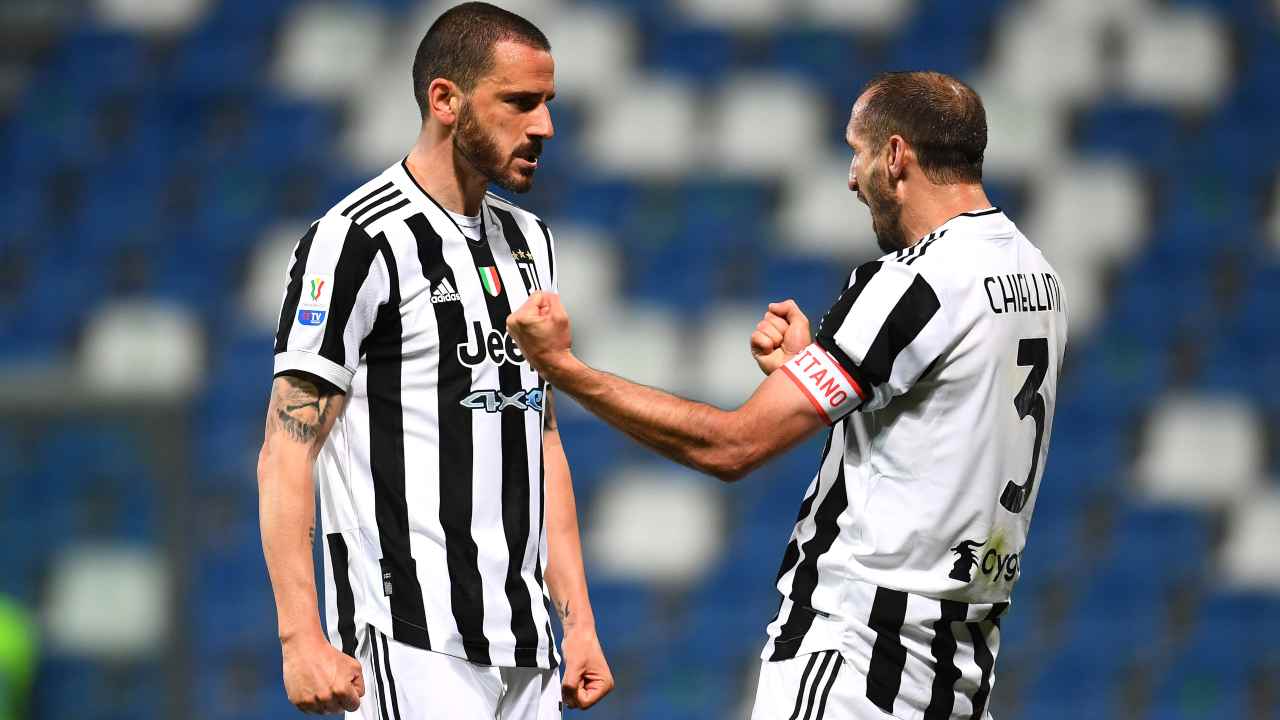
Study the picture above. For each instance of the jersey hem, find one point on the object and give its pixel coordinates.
(540, 651)
(316, 365)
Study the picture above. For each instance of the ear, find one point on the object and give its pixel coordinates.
(444, 99)
(897, 152)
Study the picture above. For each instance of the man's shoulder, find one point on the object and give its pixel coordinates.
(379, 197)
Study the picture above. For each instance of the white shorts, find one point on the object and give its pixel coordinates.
(402, 682)
(810, 687)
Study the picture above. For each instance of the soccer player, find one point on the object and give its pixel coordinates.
(445, 497)
(936, 371)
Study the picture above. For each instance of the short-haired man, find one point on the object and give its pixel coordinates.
(937, 371)
(445, 496)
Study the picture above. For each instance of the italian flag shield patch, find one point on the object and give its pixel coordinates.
(491, 280)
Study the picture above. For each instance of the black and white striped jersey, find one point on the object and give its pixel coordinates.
(937, 369)
(431, 481)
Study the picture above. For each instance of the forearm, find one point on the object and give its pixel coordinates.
(566, 577)
(700, 436)
(286, 513)
(299, 418)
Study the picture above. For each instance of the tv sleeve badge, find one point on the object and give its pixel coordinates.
(313, 306)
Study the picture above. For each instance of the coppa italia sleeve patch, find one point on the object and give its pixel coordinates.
(830, 389)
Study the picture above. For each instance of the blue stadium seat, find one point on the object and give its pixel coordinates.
(1146, 136)
(1169, 545)
(719, 221)
(1204, 682)
(1080, 681)
(917, 46)
(605, 202)
(628, 617)
(830, 59)
(244, 681)
(814, 283)
(701, 54)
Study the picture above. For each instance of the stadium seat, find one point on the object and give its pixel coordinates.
(744, 15)
(588, 269)
(1048, 56)
(915, 45)
(750, 107)
(153, 18)
(1024, 139)
(384, 120)
(72, 687)
(1110, 230)
(724, 372)
(1248, 553)
(327, 51)
(147, 350)
(1201, 450)
(829, 58)
(650, 130)
(656, 525)
(263, 288)
(1078, 682)
(880, 17)
(108, 600)
(655, 361)
(1146, 136)
(1197, 40)
(699, 53)
(606, 37)
(820, 217)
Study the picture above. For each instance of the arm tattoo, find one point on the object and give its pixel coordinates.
(562, 608)
(311, 534)
(299, 408)
(549, 405)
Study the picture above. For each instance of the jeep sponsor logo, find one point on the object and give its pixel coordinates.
(495, 401)
(495, 346)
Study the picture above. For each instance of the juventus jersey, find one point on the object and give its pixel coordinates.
(937, 369)
(431, 481)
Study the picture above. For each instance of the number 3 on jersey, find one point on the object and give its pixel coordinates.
(1033, 352)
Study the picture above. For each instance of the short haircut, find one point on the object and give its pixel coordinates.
(939, 116)
(459, 46)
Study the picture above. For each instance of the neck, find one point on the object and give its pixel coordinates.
(938, 205)
(446, 176)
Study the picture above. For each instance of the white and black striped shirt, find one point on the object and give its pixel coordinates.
(431, 481)
(937, 369)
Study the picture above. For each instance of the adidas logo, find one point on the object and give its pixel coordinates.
(444, 293)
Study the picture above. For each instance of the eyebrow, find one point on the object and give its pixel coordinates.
(526, 94)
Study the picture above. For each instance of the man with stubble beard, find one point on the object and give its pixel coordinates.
(447, 509)
(936, 371)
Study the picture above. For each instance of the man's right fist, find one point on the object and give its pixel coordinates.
(319, 678)
(783, 332)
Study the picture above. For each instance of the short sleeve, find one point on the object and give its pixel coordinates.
(878, 338)
(336, 282)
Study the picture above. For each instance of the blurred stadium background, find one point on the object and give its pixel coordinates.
(159, 158)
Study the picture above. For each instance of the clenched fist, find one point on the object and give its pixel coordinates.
(783, 332)
(321, 679)
(541, 329)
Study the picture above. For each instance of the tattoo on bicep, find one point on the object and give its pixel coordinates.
(299, 408)
(549, 411)
(311, 534)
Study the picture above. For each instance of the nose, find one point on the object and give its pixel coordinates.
(853, 179)
(542, 126)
